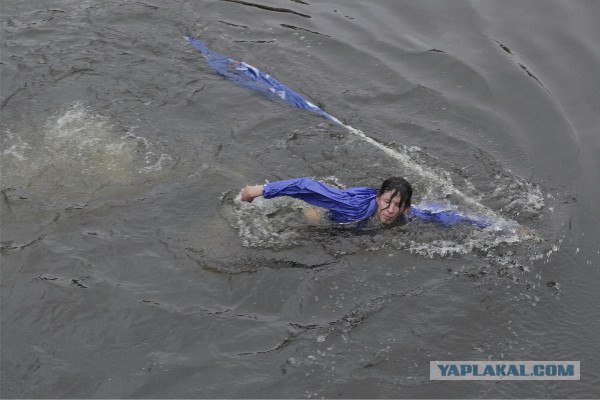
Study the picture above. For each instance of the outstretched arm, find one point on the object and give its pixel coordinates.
(346, 205)
(249, 193)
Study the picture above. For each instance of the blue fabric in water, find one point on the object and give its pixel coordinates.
(347, 205)
(442, 215)
(250, 77)
(358, 203)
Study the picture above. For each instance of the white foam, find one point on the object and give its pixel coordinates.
(274, 223)
(163, 159)
(477, 240)
(17, 149)
(78, 151)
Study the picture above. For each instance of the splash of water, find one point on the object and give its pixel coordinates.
(534, 196)
(76, 153)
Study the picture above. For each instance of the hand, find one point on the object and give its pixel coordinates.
(249, 193)
(313, 214)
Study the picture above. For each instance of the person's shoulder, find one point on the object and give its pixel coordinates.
(362, 190)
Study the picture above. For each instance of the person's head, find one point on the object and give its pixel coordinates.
(393, 199)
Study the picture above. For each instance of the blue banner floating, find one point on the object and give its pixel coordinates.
(251, 77)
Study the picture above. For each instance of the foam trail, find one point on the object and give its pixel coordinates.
(426, 173)
(251, 77)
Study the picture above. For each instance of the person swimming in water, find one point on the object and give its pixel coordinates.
(392, 201)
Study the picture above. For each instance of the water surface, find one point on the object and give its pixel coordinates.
(130, 270)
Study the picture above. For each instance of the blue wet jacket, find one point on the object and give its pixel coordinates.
(347, 205)
(358, 203)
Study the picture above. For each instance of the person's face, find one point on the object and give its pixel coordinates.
(388, 208)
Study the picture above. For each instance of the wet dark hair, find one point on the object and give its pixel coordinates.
(399, 186)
